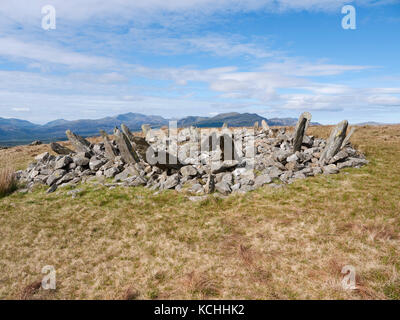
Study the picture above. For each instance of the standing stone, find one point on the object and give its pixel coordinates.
(210, 185)
(59, 149)
(265, 126)
(347, 139)
(132, 138)
(127, 132)
(300, 130)
(225, 126)
(256, 126)
(146, 128)
(109, 149)
(334, 142)
(80, 144)
(125, 147)
(306, 115)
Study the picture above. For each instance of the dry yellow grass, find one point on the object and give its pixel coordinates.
(286, 243)
(8, 181)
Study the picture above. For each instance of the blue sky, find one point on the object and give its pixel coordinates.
(175, 58)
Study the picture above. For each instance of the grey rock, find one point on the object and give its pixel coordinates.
(110, 151)
(59, 149)
(334, 142)
(352, 163)
(125, 147)
(66, 178)
(171, 182)
(52, 189)
(221, 166)
(210, 184)
(138, 181)
(341, 155)
(81, 160)
(188, 171)
(292, 158)
(347, 139)
(262, 180)
(235, 187)
(330, 169)
(95, 164)
(299, 175)
(223, 187)
(300, 130)
(63, 162)
(111, 173)
(128, 172)
(246, 188)
(196, 188)
(146, 128)
(42, 157)
(265, 126)
(80, 144)
(36, 143)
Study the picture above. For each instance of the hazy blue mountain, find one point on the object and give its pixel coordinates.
(15, 131)
(233, 119)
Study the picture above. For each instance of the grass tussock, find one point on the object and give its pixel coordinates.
(8, 181)
(289, 243)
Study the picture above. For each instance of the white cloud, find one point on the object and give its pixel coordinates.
(21, 109)
(15, 49)
(295, 67)
(28, 10)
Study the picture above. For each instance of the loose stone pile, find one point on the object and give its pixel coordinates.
(194, 160)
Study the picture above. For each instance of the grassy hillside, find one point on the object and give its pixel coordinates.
(288, 243)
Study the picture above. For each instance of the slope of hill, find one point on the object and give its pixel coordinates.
(272, 243)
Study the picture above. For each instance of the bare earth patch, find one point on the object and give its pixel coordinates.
(289, 243)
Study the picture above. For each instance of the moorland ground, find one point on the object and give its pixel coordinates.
(288, 243)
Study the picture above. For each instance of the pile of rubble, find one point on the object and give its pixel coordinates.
(194, 160)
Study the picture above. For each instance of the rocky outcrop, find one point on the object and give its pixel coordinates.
(193, 160)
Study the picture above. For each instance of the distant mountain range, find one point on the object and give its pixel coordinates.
(16, 132)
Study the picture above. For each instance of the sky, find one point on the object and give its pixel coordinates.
(276, 58)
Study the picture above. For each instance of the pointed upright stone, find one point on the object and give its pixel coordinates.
(347, 139)
(225, 126)
(300, 130)
(307, 116)
(80, 144)
(210, 185)
(127, 132)
(110, 152)
(265, 126)
(139, 144)
(145, 129)
(125, 147)
(334, 142)
(256, 126)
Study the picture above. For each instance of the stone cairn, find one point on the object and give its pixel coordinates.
(197, 161)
